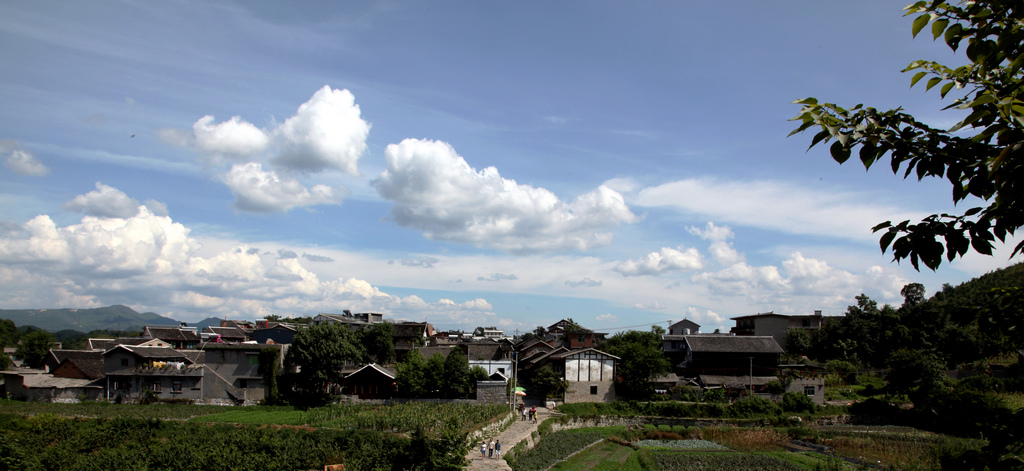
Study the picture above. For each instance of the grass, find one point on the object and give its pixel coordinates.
(604, 456)
(1014, 400)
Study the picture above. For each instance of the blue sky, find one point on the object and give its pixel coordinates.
(468, 163)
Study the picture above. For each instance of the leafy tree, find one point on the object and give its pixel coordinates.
(986, 162)
(434, 374)
(411, 377)
(269, 369)
(913, 294)
(798, 341)
(456, 375)
(540, 331)
(378, 340)
(914, 371)
(320, 352)
(34, 348)
(548, 383)
(9, 333)
(640, 361)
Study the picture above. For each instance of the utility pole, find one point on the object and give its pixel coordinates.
(751, 376)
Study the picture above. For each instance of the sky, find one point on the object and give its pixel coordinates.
(507, 164)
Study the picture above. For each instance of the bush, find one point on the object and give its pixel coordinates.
(753, 407)
(876, 408)
(798, 403)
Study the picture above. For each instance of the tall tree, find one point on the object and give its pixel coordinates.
(981, 156)
(411, 378)
(378, 340)
(34, 348)
(640, 361)
(434, 374)
(456, 375)
(320, 353)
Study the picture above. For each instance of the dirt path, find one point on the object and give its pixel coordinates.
(519, 430)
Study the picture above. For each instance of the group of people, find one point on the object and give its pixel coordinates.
(490, 449)
(532, 412)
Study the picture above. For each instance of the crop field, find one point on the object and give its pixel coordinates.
(182, 437)
(724, 448)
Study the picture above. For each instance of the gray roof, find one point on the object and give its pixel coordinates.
(50, 381)
(735, 381)
(89, 362)
(226, 332)
(156, 353)
(172, 333)
(107, 344)
(711, 343)
(389, 372)
(428, 352)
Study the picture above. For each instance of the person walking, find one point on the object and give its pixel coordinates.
(490, 449)
(497, 448)
(533, 413)
(483, 450)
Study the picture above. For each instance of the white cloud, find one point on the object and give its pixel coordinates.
(156, 207)
(721, 250)
(152, 262)
(774, 205)
(104, 201)
(498, 277)
(436, 191)
(584, 283)
(326, 132)
(607, 317)
(235, 138)
(263, 191)
(665, 260)
(21, 161)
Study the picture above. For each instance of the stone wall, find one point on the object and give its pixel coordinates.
(491, 392)
(584, 391)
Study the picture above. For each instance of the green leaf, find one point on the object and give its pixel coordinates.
(807, 101)
(953, 36)
(886, 239)
(938, 26)
(946, 88)
(917, 77)
(840, 153)
(920, 22)
(932, 82)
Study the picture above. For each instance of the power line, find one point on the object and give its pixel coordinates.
(638, 325)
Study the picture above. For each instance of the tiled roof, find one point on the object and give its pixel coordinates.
(389, 372)
(50, 381)
(735, 381)
(158, 353)
(227, 332)
(732, 343)
(107, 344)
(172, 333)
(89, 362)
(411, 329)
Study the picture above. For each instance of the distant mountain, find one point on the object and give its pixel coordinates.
(209, 321)
(85, 320)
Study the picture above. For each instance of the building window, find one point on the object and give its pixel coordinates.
(582, 338)
(593, 390)
(809, 390)
(124, 362)
(176, 386)
(254, 360)
(501, 370)
(154, 386)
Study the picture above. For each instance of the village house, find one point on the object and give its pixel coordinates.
(182, 337)
(775, 325)
(728, 355)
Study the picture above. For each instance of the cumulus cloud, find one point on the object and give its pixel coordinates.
(150, 261)
(326, 132)
(774, 205)
(104, 201)
(283, 253)
(21, 161)
(606, 318)
(262, 191)
(498, 277)
(436, 191)
(316, 258)
(233, 138)
(665, 260)
(584, 283)
(156, 207)
(721, 250)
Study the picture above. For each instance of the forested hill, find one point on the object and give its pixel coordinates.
(115, 317)
(978, 291)
(975, 320)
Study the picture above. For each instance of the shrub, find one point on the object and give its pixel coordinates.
(753, 407)
(798, 403)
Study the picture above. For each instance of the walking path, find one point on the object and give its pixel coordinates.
(519, 430)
